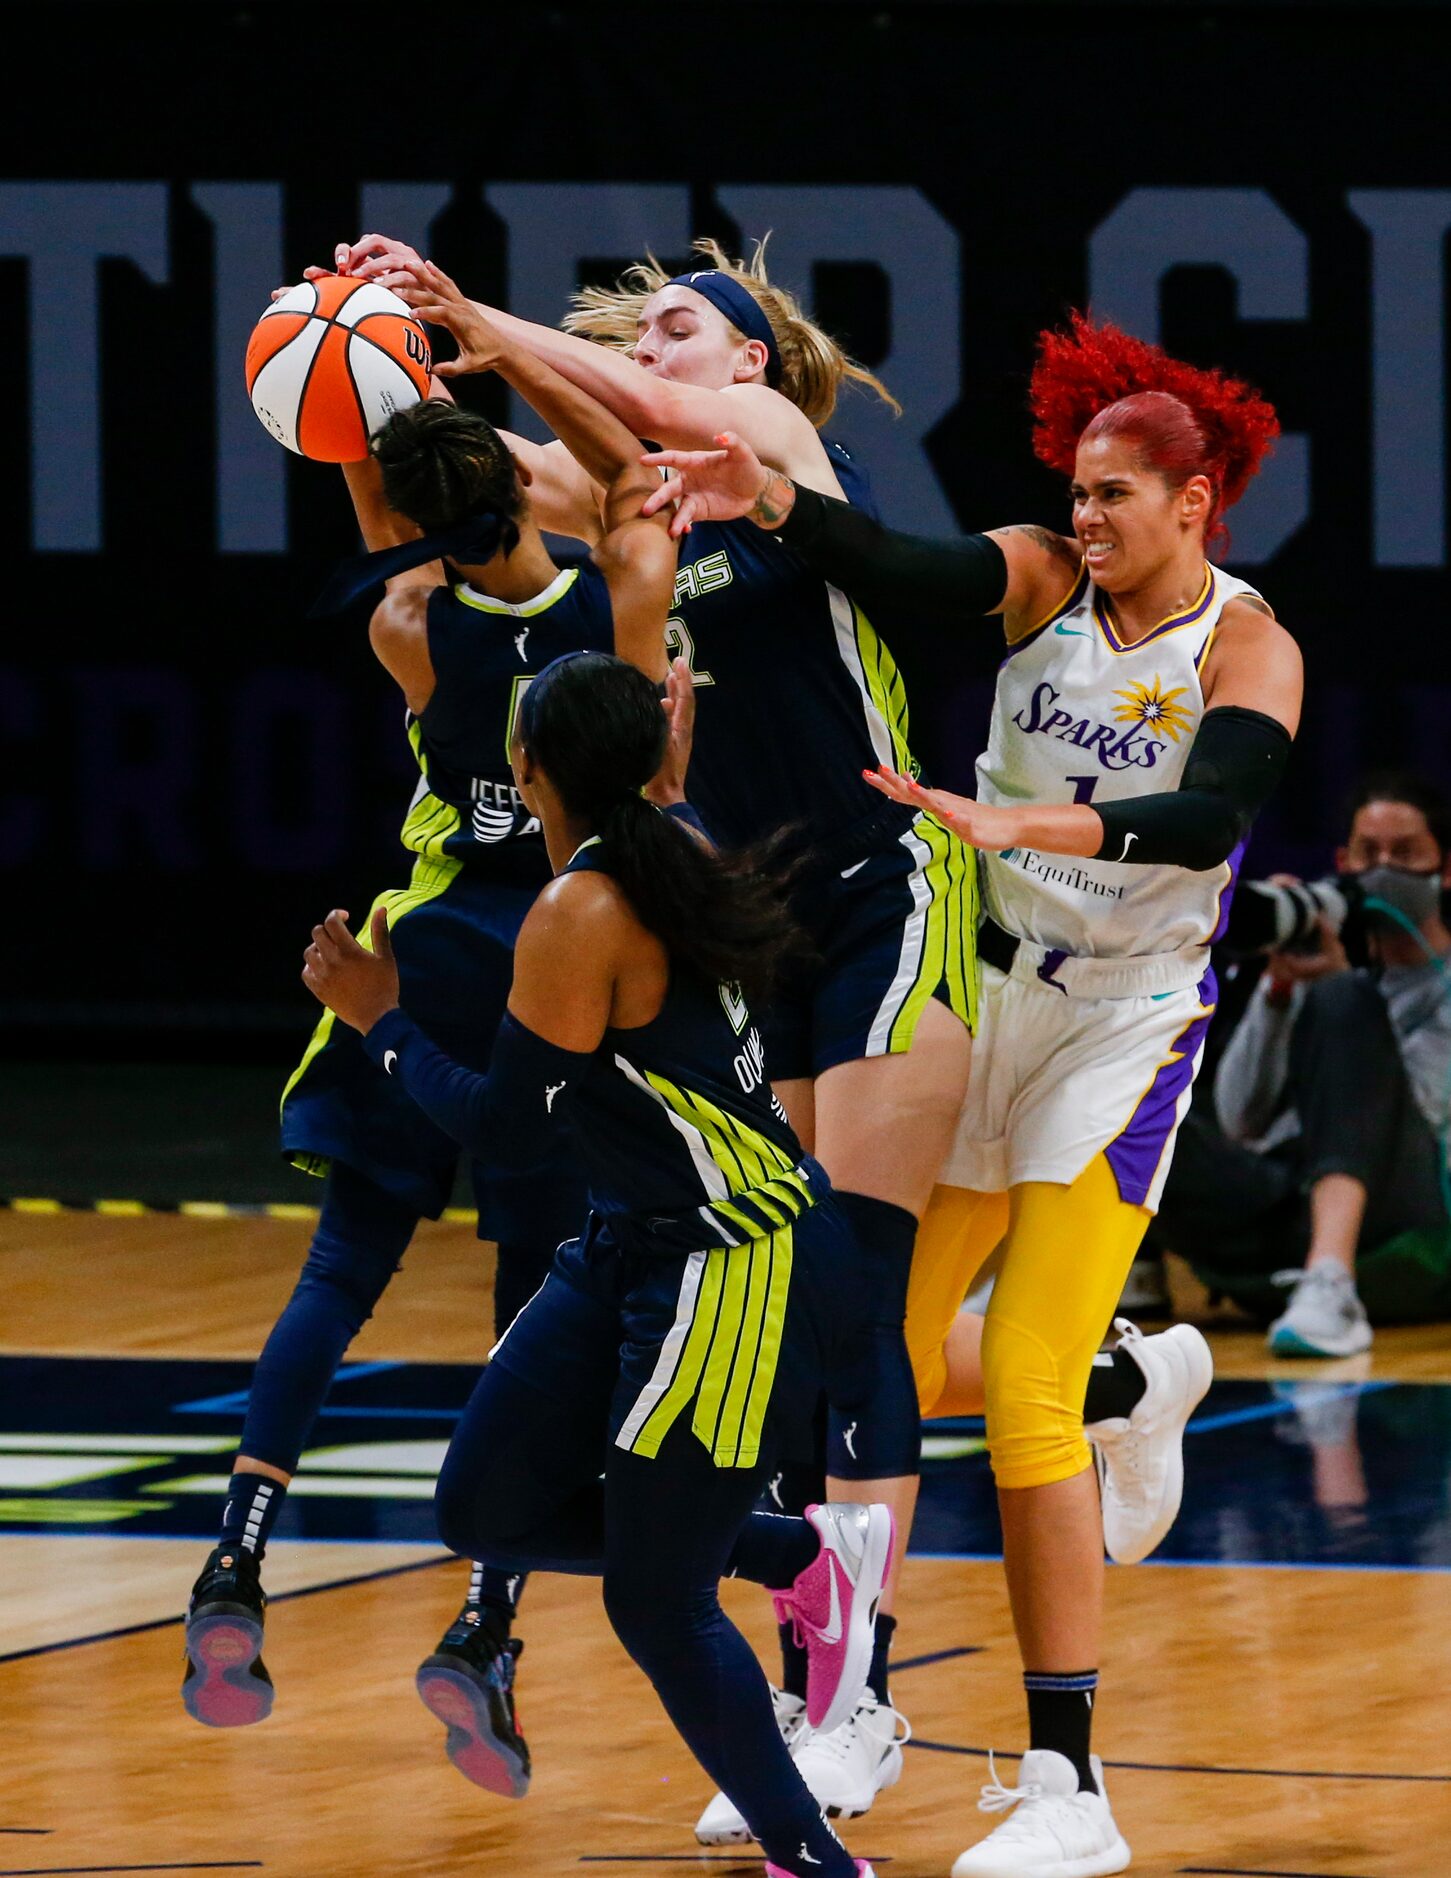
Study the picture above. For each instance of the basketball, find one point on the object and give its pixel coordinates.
(330, 362)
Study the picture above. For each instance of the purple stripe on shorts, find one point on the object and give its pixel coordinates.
(1226, 895)
(1135, 1154)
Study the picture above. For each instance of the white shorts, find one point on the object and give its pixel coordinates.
(1057, 1080)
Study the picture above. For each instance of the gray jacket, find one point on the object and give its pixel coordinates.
(1250, 1087)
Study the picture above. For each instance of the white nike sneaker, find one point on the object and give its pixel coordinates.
(1054, 1830)
(720, 1823)
(849, 1767)
(1140, 1457)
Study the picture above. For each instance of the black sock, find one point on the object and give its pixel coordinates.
(490, 1584)
(253, 1503)
(1116, 1386)
(794, 1662)
(881, 1648)
(495, 1595)
(1060, 1717)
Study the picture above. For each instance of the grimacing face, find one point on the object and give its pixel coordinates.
(1128, 521)
(684, 338)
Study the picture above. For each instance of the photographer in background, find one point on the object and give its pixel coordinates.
(1333, 1093)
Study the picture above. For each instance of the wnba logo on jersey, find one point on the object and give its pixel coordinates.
(1124, 744)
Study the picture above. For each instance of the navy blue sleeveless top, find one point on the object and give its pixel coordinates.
(796, 693)
(485, 654)
(684, 1144)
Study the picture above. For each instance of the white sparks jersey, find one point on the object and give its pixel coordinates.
(1081, 717)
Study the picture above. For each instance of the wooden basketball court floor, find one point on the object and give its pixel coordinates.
(1275, 1707)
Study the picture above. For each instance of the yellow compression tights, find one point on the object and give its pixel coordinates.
(1066, 1251)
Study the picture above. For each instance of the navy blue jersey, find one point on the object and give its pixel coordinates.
(684, 1145)
(485, 652)
(796, 693)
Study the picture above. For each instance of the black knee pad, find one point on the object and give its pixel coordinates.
(874, 1428)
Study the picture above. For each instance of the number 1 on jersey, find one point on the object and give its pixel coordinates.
(1083, 787)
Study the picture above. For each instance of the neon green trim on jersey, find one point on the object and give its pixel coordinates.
(949, 941)
(541, 603)
(886, 690)
(429, 822)
(728, 1365)
(429, 879)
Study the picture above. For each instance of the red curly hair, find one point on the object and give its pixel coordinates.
(1098, 381)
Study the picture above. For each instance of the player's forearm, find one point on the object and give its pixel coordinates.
(381, 526)
(1056, 828)
(880, 567)
(599, 441)
(626, 389)
(508, 1119)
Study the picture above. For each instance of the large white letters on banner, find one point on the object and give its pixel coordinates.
(1244, 232)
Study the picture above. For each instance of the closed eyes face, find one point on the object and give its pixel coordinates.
(681, 336)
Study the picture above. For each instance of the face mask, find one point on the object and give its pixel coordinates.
(1416, 897)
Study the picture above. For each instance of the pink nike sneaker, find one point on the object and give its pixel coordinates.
(863, 1870)
(833, 1606)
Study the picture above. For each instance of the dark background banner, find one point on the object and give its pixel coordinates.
(192, 773)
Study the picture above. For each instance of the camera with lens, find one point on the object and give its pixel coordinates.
(1268, 917)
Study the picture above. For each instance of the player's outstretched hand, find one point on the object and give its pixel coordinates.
(360, 986)
(371, 257)
(442, 302)
(668, 783)
(709, 485)
(980, 824)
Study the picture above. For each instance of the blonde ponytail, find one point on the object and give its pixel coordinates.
(813, 365)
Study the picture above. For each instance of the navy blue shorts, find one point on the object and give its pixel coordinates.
(453, 938)
(738, 1341)
(894, 922)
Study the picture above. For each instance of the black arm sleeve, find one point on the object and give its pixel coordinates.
(507, 1119)
(1234, 767)
(884, 570)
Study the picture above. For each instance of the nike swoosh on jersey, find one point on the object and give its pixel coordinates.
(831, 1630)
(1070, 632)
(856, 868)
(390, 1057)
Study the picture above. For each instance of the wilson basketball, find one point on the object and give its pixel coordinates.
(330, 362)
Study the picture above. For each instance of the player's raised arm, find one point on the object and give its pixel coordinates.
(1018, 572)
(398, 629)
(672, 411)
(636, 554)
(595, 437)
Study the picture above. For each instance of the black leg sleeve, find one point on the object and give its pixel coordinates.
(1358, 1113)
(1227, 1207)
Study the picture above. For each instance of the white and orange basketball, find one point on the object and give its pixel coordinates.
(330, 362)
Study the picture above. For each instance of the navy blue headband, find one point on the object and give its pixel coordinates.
(474, 540)
(740, 307)
(533, 692)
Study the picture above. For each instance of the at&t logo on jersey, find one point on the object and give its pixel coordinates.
(1126, 743)
(498, 812)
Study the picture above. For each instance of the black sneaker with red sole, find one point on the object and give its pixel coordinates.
(226, 1684)
(468, 1683)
